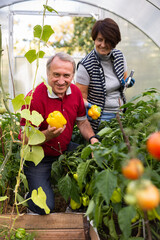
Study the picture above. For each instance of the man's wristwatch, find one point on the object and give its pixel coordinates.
(94, 136)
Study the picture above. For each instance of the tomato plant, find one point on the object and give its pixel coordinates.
(101, 176)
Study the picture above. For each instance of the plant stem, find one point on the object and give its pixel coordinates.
(125, 137)
(147, 225)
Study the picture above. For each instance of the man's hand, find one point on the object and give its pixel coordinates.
(53, 132)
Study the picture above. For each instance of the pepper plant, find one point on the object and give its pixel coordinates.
(101, 178)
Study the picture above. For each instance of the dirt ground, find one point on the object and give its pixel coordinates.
(60, 206)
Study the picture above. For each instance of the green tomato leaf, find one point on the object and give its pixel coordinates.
(32, 153)
(39, 198)
(31, 55)
(35, 137)
(125, 222)
(106, 182)
(18, 102)
(25, 182)
(21, 200)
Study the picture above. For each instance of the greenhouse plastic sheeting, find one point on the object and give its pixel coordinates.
(144, 14)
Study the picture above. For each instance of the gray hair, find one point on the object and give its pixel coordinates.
(64, 57)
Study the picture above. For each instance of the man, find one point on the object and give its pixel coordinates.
(66, 98)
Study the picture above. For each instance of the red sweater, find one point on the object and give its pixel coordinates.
(71, 106)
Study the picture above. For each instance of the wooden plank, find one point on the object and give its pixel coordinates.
(93, 234)
(67, 234)
(57, 226)
(51, 221)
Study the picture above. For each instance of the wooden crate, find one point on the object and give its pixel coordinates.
(56, 226)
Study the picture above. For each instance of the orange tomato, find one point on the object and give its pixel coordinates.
(148, 198)
(133, 169)
(153, 145)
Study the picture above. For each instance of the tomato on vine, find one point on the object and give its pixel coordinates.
(153, 145)
(148, 197)
(133, 169)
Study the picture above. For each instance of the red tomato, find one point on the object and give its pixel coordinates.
(133, 169)
(153, 145)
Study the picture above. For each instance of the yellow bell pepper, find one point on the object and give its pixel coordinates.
(56, 119)
(94, 112)
(74, 205)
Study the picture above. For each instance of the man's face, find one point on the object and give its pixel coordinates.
(60, 76)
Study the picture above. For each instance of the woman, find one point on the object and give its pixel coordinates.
(102, 74)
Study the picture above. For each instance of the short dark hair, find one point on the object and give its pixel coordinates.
(109, 30)
(64, 57)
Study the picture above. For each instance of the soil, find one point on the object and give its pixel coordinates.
(60, 206)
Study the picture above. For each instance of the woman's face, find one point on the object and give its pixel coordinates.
(102, 47)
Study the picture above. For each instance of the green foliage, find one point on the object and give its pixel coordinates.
(50, 9)
(81, 40)
(43, 33)
(32, 153)
(98, 175)
(39, 198)
(102, 172)
(125, 222)
(31, 55)
(9, 169)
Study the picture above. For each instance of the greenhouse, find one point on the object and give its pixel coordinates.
(105, 179)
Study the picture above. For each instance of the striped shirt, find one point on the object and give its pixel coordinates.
(97, 91)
